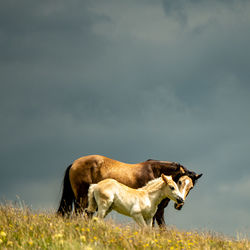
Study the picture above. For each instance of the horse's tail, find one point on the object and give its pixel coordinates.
(65, 206)
(92, 205)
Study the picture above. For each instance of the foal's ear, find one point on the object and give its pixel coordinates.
(166, 178)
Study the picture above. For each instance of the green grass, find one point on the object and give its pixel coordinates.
(21, 228)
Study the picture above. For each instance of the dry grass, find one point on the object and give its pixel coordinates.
(21, 228)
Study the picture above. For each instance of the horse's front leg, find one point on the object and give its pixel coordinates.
(159, 215)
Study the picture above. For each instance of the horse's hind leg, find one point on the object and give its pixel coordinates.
(80, 205)
(82, 199)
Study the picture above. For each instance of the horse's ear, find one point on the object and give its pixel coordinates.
(197, 176)
(166, 178)
(182, 170)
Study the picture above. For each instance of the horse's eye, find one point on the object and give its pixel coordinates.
(180, 182)
(172, 188)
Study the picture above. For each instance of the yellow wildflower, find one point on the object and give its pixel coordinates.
(9, 243)
(83, 238)
(61, 242)
(57, 236)
(3, 234)
(1, 241)
(88, 248)
(30, 242)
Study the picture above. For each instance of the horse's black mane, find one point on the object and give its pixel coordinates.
(189, 173)
(152, 160)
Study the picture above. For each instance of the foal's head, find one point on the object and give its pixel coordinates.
(172, 190)
(185, 184)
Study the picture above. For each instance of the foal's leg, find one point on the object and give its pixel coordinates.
(149, 222)
(92, 205)
(104, 207)
(139, 219)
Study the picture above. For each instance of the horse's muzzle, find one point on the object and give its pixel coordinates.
(178, 206)
(180, 201)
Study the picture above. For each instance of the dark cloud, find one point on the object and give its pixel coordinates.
(182, 11)
(132, 81)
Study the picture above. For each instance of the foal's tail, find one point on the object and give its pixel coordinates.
(68, 197)
(92, 205)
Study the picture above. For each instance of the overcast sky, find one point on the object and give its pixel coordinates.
(130, 80)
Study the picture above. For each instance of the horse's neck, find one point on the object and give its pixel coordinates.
(159, 168)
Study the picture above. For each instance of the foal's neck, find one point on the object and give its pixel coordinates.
(156, 194)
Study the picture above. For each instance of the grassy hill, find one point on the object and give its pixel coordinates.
(25, 229)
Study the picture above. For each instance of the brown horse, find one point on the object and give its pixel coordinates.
(94, 168)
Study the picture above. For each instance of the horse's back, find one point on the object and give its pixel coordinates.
(95, 161)
(95, 168)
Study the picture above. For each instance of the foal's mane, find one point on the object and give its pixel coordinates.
(153, 185)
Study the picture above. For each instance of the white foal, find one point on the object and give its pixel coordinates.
(140, 204)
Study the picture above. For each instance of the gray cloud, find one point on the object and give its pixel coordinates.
(132, 81)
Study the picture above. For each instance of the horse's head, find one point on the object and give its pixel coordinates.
(185, 184)
(172, 190)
